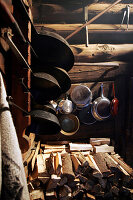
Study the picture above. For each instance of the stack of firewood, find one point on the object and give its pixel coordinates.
(80, 171)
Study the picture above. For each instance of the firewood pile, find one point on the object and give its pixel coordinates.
(79, 171)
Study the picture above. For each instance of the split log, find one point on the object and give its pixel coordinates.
(48, 151)
(37, 194)
(96, 188)
(89, 185)
(73, 183)
(115, 190)
(123, 164)
(51, 164)
(42, 170)
(67, 169)
(65, 191)
(103, 182)
(82, 178)
(28, 160)
(46, 146)
(96, 172)
(63, 181)
(99, 159)
(58, 164)
(111, 165)
(90, 196)
(103, 148)
(51, 194)
(99, 141)
(76, 164)
(54, 180)
(35, 155)
(83, 160)
(80, 147)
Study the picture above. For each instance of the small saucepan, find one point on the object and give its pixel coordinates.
(101, 107)
(69, 124)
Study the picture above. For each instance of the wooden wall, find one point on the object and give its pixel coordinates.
(109, 56)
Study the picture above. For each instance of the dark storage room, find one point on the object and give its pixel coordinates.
(66, 94)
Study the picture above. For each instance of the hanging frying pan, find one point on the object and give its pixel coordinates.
(44, 86)
(58, 73)
(42, 122)
(101, 107)
(51, 48)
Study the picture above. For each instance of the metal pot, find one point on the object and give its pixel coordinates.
(81, 95)
(101, 107)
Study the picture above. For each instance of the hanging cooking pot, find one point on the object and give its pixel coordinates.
(114, 104)
(44, 86)
(42, 122)
(51, 48)
(81, 95)
(58, 73)
(69, 124)
(101, 107)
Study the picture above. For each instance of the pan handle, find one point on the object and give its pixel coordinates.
(13, 47)
(102, 91)
(10, 101)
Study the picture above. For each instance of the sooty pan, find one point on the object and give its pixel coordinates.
(50, 48)
(59, 74)
(43, 123)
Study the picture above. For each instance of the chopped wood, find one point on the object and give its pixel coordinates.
(89, 185)
(80, 147)
(96, 172)
(58, 163)
(83, 160)
(28, 160)
(51, 167)
(103, 182)
(63, 181)
(48, 151)
(99, 158)
(85, 153)
(115, 190)
(103, 148)
(65, 191)
(41, 166)
(96, 188)
(54, 180)
(46, 146)
(99, 141)
(110, 164)
(73, 183)
(37, 194)
(76, 164)
(35, 155)
(67, 169)
(90, 196)
(82, 178)
(123, 164)
(51, 194)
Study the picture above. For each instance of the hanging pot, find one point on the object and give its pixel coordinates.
(81, 95)
(101, 107)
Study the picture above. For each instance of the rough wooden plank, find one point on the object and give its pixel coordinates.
(80, 147)
(99, 141)
(103, 148)
(99, 158)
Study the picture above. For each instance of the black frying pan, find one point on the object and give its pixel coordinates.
(42, 122)
(51, 48)
(58, 73)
